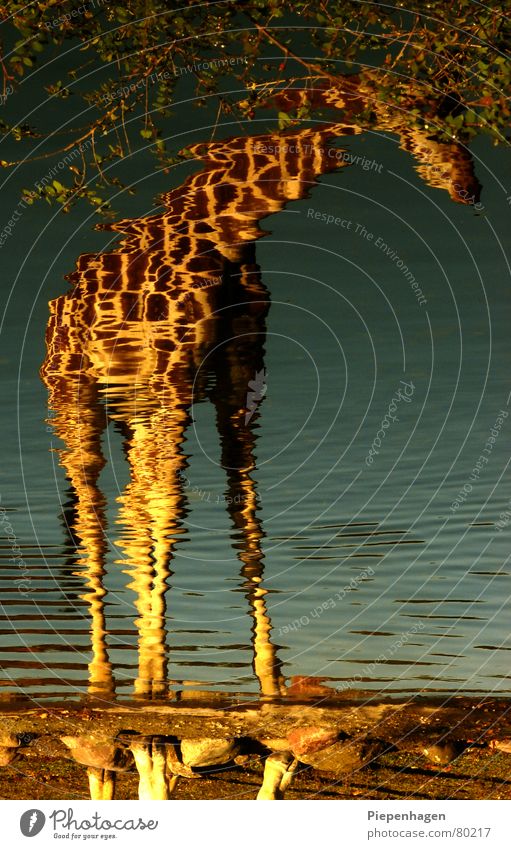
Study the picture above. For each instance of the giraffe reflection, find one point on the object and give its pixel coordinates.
(442, 165)
(174, 315)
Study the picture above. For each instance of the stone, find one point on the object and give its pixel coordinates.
(344, 757)
(101, 754)
(501, 745)
(208, 751)
(7, 755)
(9, 741)
(313, 738)
(442, 753)
(276, 744)
(9, 745)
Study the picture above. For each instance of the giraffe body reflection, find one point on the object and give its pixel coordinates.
(174, 314)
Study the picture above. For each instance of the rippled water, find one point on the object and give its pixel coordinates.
(384, 571)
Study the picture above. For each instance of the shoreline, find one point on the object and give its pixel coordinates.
(416, 748)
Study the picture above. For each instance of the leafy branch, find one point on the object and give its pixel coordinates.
(122, 67)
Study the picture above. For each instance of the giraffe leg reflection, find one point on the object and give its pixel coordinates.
(279, 770)
(101, 784)
(151, 761)
(103, 758)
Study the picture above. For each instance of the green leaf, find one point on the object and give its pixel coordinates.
(284, 120)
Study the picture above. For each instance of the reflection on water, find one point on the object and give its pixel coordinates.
(174, 316)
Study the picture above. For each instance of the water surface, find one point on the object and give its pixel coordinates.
(191, 549)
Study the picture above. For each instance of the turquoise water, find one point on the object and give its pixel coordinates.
(379, 574)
